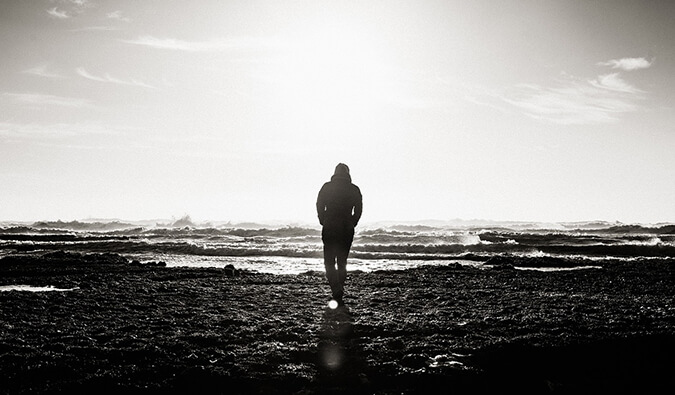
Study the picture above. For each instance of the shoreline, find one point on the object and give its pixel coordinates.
(453, 328)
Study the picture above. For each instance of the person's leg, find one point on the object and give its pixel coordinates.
(342, 255)
(329, 259)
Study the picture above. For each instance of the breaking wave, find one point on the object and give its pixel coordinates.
(394, 243)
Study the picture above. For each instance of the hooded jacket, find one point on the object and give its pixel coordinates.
(339, 201)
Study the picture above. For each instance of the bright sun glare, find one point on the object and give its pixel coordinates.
(336, 74)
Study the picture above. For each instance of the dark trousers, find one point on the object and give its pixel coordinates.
(336, 244)
(335, 260)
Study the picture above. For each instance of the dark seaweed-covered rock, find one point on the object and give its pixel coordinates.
(509, 261)
(230, 270)
(501, 261)
(66, 258)
(138, 263)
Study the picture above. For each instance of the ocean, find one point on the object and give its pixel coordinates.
(385, 246)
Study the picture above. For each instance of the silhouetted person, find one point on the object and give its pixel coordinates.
(339, 207)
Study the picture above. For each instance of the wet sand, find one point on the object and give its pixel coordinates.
(443, 329)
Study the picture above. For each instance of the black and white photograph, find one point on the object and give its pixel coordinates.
(337, 197)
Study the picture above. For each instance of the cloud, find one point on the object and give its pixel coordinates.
(167, 43)
(576, 102)
(42, 71)
(118, 16)
(74, 135)
(58, 14)
(40, 99)
(77, 5)
(628, 64)
(573, 101)
(107, 78)
(80, 3)
(58, 134)
(614, 83)
(13, 129)
(241, 43)
(74, 7)
(94, 28)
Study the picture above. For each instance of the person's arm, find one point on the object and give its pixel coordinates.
(321, 206)
(358, 207)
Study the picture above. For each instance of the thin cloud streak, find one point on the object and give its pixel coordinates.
(574, 102)
(81, 3)
(600, 100)
(40, 99)
(23, 131)
(117, 15)
(614, 83)
(43, 71)
(242, 43)
(94, 28)
(79, 135)
(628, 64)
(109, 79)
(75, 7)
(58, 14)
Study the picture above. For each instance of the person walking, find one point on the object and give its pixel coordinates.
(339, 206)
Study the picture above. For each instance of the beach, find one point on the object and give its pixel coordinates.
(113, 324)
(180, 182)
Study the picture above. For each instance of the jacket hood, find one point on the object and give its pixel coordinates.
(341, 173)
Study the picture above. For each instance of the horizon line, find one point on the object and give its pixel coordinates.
(304, 222)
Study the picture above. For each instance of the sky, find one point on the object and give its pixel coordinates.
(240, 110)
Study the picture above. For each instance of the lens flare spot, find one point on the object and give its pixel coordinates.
(333, 304)
(332, 357)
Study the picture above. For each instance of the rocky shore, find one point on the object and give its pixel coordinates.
(140, 327)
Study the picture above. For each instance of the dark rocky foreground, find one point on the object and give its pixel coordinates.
(142, 328)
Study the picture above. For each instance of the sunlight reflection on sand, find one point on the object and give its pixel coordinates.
(292, 265)
(295, 265)
(32, 288)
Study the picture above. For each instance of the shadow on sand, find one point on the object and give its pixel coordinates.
(341, 366)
